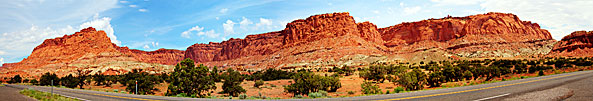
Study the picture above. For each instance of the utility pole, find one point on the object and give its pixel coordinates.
(136, 86)
(52, 88)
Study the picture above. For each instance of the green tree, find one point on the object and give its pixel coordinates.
(232, 83)
(82, 76)
(215, 74)
(413, 80)
(435, 78)
(306, 82)
(47, 78)
(189, 79)
(16, 79)
(100, 79)
(375, 73)
(34, 82)
(370, 88)
(258, 83)
(146, 82)
(69, 81)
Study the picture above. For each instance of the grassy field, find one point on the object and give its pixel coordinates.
(44, 96)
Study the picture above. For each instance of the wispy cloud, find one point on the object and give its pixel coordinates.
(143, 10)
(224, 10)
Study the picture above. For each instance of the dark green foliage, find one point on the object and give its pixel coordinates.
(16, 79)
(82, 76)
(100, 79)
(306, 82)
(270, 74)
(232, 83)
(344, 70)
(375, 73)
(467, 75)
(435, 78)
(146, 82)
(414, 80)
(191, 80)
(541, 73)
(34, 82)
(46, 79)
(398, 90)
(215, 74)
(26, 81)
(69, 81)
(258, 83)
(370, 88)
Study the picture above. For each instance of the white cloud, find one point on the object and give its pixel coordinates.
(18, 15)
(264, 24)
(559, 17)
(124, 2)
(20, 43)
(411, 10)
(146, 47)
(199, 32)
(155, 44)
(217, 18)
(133, 6)
(329, 4)
(245, 23)
(456, 2)
(228, 27)
(2, 52)
(1, 61)
(224, 10)
(102, 24)
(143, 10)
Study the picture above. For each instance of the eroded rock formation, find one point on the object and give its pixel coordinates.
(577, 44)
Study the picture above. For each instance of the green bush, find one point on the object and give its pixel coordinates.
(414, 80)
(351, 92)
(387, 92)
(398, 90)
(258, 83)
(189, 79)
(541, 73)
(299, 96)
(370, 88)
(315, 95)
(232, 82)
(146, 82)
(243, 96)
(16, 79)
(306, 82)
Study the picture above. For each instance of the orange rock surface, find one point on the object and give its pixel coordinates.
(318, 41)
(577, 44)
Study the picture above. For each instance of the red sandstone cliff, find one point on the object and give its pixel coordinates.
(577, 44)
(320, 40)
(88, 47)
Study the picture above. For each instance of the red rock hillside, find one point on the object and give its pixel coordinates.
(577, 44)
(324, 40)
(336, 39)
(86, 49)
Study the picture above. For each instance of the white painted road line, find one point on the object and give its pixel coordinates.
(492, 97)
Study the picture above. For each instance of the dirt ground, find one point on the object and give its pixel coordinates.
(275, 89)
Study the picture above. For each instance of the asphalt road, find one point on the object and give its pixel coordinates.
(12, 94)
(581, 81)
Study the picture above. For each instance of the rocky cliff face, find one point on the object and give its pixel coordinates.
(332, 39)
(86, 49)
(335, 36)
(577, 44)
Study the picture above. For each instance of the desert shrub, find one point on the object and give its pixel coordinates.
(370, 88)
(413, 80)
(375, 73)
(34, 82)
(541, 73)
(232, 82)
(47, 78)
(258, 83)
(398, 90)
(146, 82)
(351, 92)
(16, 79)
(69, 81)
(243, 96)
(270, 74)
(344, 70)
(298, 96)
(435, 78)
(387, 92)
(190, 79)
(306, 82)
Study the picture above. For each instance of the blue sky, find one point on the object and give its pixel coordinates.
(177, 24)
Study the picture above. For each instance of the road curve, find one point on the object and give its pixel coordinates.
(491, 91)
